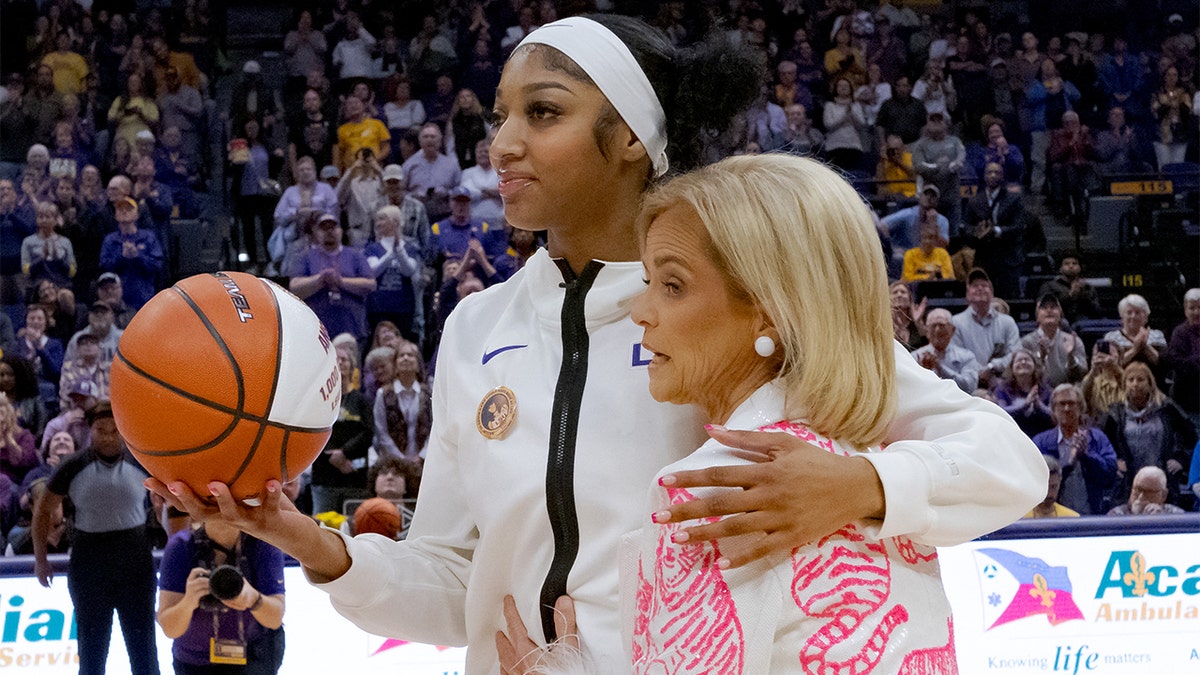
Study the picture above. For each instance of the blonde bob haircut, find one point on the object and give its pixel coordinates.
(795, 238)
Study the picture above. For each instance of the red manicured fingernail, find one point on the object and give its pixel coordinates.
(667, 480)
(680, 537)
(212, 489)
(173, 488)
(660, 516)
(715, 427)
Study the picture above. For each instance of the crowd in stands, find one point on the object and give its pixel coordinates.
(358, 172)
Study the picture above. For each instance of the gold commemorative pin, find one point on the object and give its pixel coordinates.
(497, 412)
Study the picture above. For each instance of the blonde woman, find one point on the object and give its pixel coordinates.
(767, 309)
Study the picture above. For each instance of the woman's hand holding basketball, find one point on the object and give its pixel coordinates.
(276, 521)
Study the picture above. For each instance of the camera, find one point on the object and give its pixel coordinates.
(224, 583)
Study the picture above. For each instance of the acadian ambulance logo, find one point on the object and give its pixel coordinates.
(1165, 592)
(35, 638)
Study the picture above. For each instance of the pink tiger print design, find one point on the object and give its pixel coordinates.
(686, 620)
(933, 661)
(848, 587)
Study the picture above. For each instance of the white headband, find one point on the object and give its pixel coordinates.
(611, 65)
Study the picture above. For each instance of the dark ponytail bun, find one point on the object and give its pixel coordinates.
(701, 87)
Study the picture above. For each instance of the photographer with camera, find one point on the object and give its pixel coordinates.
(221, 600)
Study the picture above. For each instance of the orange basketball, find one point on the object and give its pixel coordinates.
(225, 377)
(377, 515)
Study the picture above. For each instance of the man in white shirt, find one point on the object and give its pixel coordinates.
(1061, 352)
(483, 183)
(948, 361)
(988, 334)
(352, 56)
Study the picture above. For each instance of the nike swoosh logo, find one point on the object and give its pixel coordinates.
(488, 356)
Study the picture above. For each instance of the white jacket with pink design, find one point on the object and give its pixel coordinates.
(849, 603)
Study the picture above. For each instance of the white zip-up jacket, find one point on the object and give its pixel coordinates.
(483, 527)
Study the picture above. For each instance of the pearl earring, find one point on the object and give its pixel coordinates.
(764, 346)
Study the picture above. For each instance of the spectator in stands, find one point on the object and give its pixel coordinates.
(1147, 496)
(904, 226)
(431, 55)
(947, 360)
(844, 122)
(997, 149)
(47, 254)
(393, 479)
(1060, 353)
(404, 411)
(996, 218)
(845, 60)
(873, 94)
(935, 90)
(483, 183)
(1024, 393)
(886, 50)
(181, 106)
(1075, 295)
(1120, 80)
(305, 49)
(396, 263)
(183, 64)
(69, 68)
(1104, 385)
(937, 158)
(765, 123)
(110, 291)
(787, 89)
(352, 54)
(1117, 148)
(1089, 464)
(132, 111)
(340, 471)
(929, 260)
(17, 222)
(466, 126)
(402, 111)
(527, 21)
(153, 197)
(334, 280)
(359, 195)
(1183, 358)
(414, 220)
(1172, 107)
(44, 353)
(1070, 163)
(68, 157)
(1135, 340)
(36, 181)
(253, 190)
(19, 385)
(79, 398)
(311, 133)
(252, 99)
(439, 101)
(1047, 100)
(988, 334)
(42, 105)
(908, 322)
(430, 174)
(1025, 66)
(307, 193)
(1050, 508)
(1148, 429)
(968, 70)
(452, 236)
(91, 189)
(799, 135)
(18, 452)
(134, 255)
(1078, 67)
(360, 132)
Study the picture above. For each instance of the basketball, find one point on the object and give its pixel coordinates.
(225, 377)
(377, 515)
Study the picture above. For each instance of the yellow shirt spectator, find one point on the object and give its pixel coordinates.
(921, 266)
(354, 136)
(69, 71)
